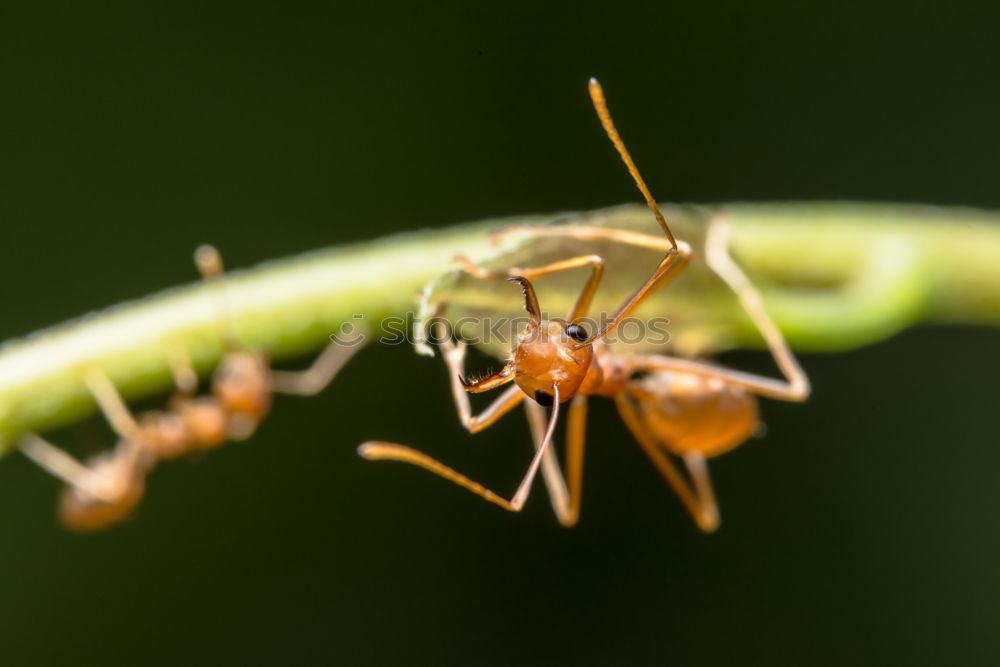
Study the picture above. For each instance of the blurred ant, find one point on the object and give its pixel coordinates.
(672, 406)
(107, 489)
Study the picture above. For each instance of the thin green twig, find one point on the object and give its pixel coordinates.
(834, 276)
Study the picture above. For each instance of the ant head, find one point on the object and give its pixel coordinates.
(546, 353)
(122, 478)
(242, 384)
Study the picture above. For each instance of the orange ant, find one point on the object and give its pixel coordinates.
(672, 406)
(107, 489)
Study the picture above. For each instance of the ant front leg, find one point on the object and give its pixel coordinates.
(587, 233)
(678, 254)
(582, 305)
(579, 310)
(454, 357)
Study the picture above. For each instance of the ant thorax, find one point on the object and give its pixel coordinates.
(607, 374)
(206, 421)
(165, 434)
(696, 413)
(546, 357)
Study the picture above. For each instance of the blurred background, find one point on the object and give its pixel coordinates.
(862, 529)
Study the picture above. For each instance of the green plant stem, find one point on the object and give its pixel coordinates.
(899, 265)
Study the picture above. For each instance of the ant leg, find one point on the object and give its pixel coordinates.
(454, 357)
(765, 386)
(521, 275)
(697, 468)
(595, 262)
(315, 378)
(111, 404)
(209, 262)
(375, 451)
(182, 370)
(795, 387)
(585, 233)
(576, 434)
(62, 466)
(677, 256)
(565, 502)
(675, 260)
(700, 501)
(719, 260)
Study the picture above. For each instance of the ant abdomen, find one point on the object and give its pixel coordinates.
(695, 413)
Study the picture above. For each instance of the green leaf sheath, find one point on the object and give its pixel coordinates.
(833, 276)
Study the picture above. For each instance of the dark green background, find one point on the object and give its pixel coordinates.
(864, 529)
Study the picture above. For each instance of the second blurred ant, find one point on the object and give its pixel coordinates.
(108, 488)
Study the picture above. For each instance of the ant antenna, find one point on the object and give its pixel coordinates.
(210, 266)
(601, 106)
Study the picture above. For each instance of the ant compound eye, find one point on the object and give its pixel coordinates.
(543, 399)
(576, 332)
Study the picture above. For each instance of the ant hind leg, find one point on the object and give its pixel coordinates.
(721, 262)
(699, 501)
